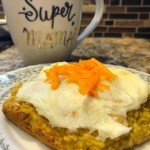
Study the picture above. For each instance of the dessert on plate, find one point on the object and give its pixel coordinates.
(82, 106)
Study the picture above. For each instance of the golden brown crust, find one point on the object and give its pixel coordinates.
(33, 125)
(25, 116)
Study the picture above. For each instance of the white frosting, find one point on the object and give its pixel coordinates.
(66, 107)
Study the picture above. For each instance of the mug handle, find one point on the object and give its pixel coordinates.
(94, 22)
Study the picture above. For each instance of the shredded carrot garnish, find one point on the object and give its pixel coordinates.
(89, 75)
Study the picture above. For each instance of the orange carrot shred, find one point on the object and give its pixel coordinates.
(89, 75)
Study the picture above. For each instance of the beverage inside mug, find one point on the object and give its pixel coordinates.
(47, 31)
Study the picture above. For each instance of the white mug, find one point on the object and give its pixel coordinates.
(47, 30)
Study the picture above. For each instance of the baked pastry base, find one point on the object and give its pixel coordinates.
(25, 116)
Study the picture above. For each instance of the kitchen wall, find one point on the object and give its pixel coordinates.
(122, 18)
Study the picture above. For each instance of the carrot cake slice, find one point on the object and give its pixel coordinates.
(82, 106)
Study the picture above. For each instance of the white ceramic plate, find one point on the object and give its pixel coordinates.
(13, 138)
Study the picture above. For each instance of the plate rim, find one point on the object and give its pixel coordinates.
(30, 66)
